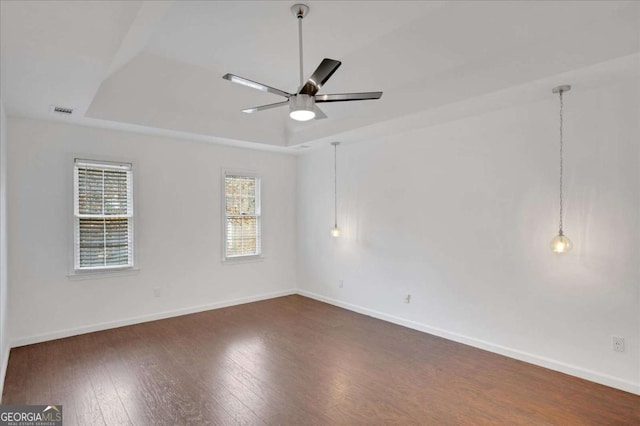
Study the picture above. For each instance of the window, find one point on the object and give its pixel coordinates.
(103, 210)
(242, 216)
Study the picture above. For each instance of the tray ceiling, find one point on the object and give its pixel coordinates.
(158, 65)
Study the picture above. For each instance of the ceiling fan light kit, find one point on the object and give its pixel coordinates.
(301, 107)
(302, 104)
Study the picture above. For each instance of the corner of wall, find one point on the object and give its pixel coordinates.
(4, 340)
(3, 372)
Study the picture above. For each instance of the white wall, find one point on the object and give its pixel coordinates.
(461, 216)
(177, 186)
(4, 339)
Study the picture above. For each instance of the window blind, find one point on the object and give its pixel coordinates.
(242, 216)
(103, 209)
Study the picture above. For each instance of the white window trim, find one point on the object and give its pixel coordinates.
(104, 273)
(99, 272)
(243, 258)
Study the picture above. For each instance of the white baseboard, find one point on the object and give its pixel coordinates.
(29, 340)
(552, 364)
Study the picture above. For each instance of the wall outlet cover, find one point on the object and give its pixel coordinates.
(617, 343)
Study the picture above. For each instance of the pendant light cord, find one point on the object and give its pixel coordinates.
(561, 162)
(335, 184)
(300, 47)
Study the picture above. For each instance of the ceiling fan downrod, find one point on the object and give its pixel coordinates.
(300, 11)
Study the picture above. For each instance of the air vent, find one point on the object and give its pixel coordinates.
(61, 110)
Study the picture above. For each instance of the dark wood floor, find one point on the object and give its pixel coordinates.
(296, 361)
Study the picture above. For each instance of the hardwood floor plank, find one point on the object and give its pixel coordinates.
(38, 378)
(125, 376)
(239, 367)
(295, 361)
(111, 405)
(211, 400)
(213, 377)
(15, 382)
(77, 362)
(61, 389)
(166, 395)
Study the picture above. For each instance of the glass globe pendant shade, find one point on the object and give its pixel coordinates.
(335, 232)
(561, 244)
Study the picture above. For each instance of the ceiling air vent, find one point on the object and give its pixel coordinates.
(61, 110)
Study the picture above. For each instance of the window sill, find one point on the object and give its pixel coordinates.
(102, 273)
(242, 260)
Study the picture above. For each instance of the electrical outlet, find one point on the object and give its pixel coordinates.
(618, 343)
(341, 283)
(407, 299)
(157, 292)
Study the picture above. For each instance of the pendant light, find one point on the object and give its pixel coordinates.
(335, 231)
(561, 244)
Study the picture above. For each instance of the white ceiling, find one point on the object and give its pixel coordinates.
(157, 66)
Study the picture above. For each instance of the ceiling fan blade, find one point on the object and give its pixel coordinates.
(320, 115)
(343, 97)
(263, 107)
(320, 76)
(255, 85)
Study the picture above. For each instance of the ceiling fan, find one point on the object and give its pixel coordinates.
(302, 104)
